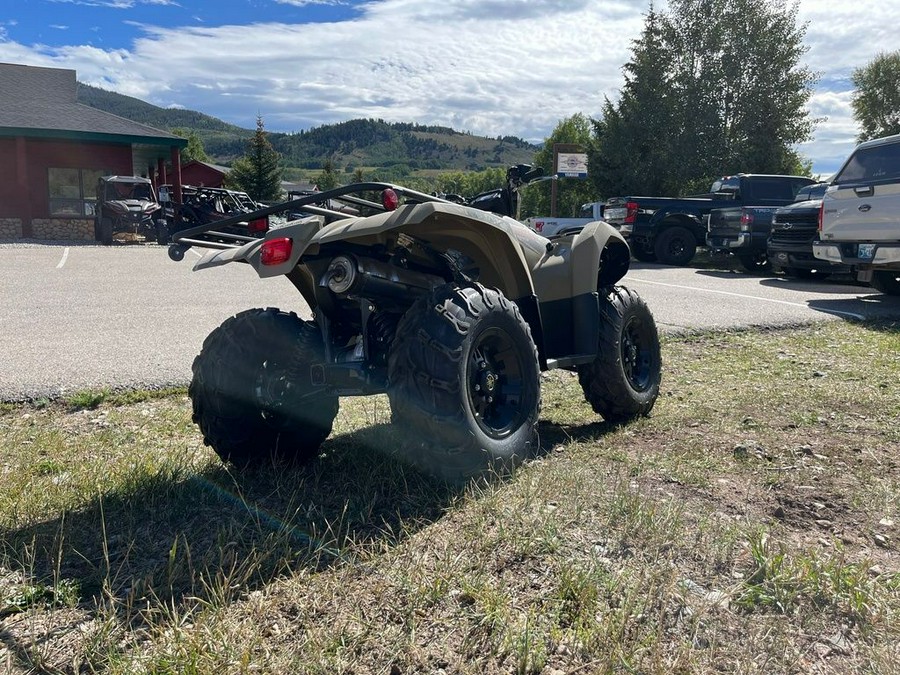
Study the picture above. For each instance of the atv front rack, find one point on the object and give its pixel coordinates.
(343, 202)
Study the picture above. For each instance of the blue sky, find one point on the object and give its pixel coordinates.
(492, 67)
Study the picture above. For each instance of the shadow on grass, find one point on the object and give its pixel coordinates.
(554, 434)
(175, 537)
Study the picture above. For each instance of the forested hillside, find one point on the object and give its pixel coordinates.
(400, 148)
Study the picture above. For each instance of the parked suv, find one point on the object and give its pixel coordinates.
(859, 221)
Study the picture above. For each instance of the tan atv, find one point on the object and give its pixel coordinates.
(452, 310)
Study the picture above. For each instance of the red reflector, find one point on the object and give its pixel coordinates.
(258, 225)
(389, 200)
(276, 251)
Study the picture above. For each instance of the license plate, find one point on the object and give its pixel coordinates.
(614, 214)
(865, 251)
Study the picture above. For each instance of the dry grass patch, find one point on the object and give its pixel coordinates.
(747, 526)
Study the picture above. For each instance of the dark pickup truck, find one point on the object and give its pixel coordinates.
(669, 229)
(744, 230)
(794, 229)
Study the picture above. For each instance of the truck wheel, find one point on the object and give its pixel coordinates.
(675, 246)
(755, 262)
(464, 383)
(162, 232)
(643, 254)
(252, 392)
(623, 381)
(106, 231)
(886, 282)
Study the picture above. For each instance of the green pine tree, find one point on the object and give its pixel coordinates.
(714, 87)
(259, 171)
(328, 178)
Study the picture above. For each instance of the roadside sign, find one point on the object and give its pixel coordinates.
(571, 165)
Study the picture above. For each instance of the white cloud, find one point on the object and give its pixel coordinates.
(492, 67)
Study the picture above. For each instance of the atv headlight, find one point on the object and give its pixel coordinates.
(341, 274)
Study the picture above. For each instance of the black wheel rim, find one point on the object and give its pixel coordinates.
(495, 383)
(637, 355)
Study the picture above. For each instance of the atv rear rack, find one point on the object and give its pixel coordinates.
(333, 205)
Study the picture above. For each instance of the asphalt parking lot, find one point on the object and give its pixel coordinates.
(77, 317)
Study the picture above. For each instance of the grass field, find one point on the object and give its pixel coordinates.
(749, 525)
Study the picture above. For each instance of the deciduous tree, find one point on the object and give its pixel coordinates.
(571, 192)
(876, 101)
(194, 149)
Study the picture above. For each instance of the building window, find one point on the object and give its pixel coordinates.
(73, 192)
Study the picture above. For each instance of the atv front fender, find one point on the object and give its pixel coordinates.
(579, 264)
(568, 281)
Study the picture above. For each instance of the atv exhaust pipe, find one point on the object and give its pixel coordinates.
(347, 275)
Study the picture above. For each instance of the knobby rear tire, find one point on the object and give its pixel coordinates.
(252, 391)
(464, 383)
(622, 383)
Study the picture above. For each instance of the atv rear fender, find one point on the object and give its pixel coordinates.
(488, 239)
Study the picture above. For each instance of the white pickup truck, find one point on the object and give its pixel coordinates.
(859, 221)
(550, 226)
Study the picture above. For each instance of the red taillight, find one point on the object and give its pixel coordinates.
(389, 200)
(631, 211)
(746, 218)
(539, 226)
(258, 225)
(276, 251)
(821, 216)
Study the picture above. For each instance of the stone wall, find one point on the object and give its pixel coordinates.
(10, 228)
(62, 228)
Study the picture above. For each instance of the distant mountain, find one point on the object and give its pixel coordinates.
(399, 148)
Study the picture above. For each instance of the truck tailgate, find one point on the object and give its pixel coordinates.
(861, 213)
